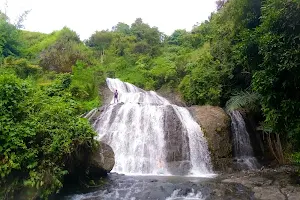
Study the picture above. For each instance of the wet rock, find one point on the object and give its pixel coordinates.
(96, 113)
(215, 124)
(105, 94)
(177, 145)
(172, 96)
(268, 193)
(297, 179)
(103, 160)
(179, 167)
(268, 184)
(291, 192)
(221, 191)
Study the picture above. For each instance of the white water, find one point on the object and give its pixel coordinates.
(241, 141)
(135, 129)
(130, 188)
(190, 196)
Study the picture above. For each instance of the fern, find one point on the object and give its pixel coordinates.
(244, 99)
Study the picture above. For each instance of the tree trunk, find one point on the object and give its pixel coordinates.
(270, 145)
(279, 149)
(276, 147)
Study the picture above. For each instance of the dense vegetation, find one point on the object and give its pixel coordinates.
(41, 131)
(247, 55)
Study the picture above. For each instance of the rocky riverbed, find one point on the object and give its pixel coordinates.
(268, 184)
(265, 184)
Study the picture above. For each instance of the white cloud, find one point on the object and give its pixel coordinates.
(85, 17)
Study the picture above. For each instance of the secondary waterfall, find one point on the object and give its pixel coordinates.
(243, 151)
(151, 136)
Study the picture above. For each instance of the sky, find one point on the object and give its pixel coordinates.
(87, 16)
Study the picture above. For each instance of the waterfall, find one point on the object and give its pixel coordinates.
(151, 136)
(243, 151)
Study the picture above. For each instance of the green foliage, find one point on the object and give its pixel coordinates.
(179, 37)
(163, 71)
(9, 38)
(59, 86)
(22, 67)
(296, 158)
(200, 35)
(38, 133)
(12, 92)
(100, 40)
(35, 42)
(203, 83)
(246, 54)
(85, 85)
(258, 42)
(149, 35)
(64, 53)
(277, 79)
(122, 28)
(250, 101)
(126, 52)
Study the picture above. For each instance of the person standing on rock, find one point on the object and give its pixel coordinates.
(116, 96)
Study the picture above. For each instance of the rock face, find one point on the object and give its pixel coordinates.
(93, 115)
(106, 94)
(102, 160)
(256, 138)
(172, 97)
(215, 124)
(177, 146)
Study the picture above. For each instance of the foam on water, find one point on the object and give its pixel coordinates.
(190, 196)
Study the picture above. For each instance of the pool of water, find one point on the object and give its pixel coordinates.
(121, 187)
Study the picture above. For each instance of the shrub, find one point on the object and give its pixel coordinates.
(22, 67)
(38, 134)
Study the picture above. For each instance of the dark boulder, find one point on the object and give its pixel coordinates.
(102, 160)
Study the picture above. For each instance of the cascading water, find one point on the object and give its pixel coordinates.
(150, 136)
(191, 196)
(243, 151)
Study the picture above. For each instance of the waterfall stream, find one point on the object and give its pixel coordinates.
(151, 136)
(243, 151)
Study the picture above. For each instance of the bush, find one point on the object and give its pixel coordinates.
(203, 83)
(22, 67)
(64, 53)
(38, 135)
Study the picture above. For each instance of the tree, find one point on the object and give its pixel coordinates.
(39, 135)
(121, 28)
(178, 37)
(64, 53)
(277, 78)
(220, 4)
(151, 35)
(235, 44)
(9, 38)
(21, 19)
(202, 85)
(101, 40)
